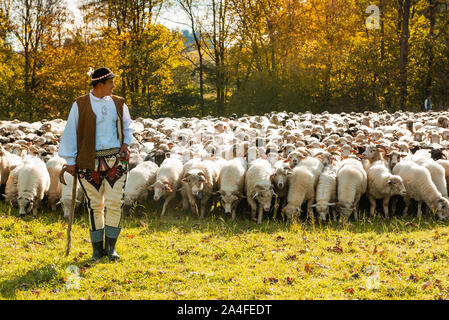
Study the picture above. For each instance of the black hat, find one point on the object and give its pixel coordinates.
(100, 74)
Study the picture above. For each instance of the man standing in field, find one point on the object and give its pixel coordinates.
(95, 145)
(428, 103)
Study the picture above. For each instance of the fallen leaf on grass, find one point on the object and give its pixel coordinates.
(131, 236)
(183, 252)
(307, 268)
(427, 285)
(414, 277)
(349, 290)
(206, 238)
(271, 280)
(60, 235)
(291, 257)
(335, 249)
(289, 280)
(35, 292)
(322, 265)
(218, 256)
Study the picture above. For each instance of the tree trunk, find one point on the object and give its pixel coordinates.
(403, 58)
(432, 11)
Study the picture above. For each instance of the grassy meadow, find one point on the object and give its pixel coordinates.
(183, 257)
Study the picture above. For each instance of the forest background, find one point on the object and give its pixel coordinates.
(227, 56)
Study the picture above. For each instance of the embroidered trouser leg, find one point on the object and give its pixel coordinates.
(104, 188)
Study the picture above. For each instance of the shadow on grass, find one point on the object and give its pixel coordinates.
(31, 279)
(218, 222)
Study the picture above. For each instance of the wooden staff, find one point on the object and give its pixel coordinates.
(72, 207)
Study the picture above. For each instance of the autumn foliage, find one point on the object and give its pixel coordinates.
(247, 56)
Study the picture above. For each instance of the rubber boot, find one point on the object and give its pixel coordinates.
(96, 238)
(111, 235)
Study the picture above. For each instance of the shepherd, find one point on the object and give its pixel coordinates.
(95, 145)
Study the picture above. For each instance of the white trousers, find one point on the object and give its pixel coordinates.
(104, 189)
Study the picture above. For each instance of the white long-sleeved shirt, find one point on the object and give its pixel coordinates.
(105, 132)
(427, 104)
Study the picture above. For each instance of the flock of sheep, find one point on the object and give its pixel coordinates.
(299, 163)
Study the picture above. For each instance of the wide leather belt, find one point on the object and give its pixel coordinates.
(107, 152)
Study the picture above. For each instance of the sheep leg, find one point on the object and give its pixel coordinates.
(394, 202)
(35, 209)
(386, 201)
(356, 210)
(372, 203)
(233, 214)
(203, 207)
(253, 205)
(185, 200)
(310, 211)
(419, 209)
(407, 204)
(260, 216)
(192, 203)
(167, 200)
(334, 214)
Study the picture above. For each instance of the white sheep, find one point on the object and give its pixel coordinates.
(445, 165)
(33, 182)
(232, 181)
(420, 187)
(302, 184)
(54, 167)
(8, 162)
(280, 180)
(351, 185)
(11, 186)
(137, 183)
(326, 192)
(382, 184)
(167, 181)
(259, 189)
(200, 181)
(437, 172)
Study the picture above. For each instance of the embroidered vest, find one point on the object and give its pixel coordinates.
(86, 130)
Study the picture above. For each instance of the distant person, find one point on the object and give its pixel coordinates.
(95, 145)
(428, 103)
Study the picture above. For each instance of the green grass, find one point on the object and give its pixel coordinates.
(183, 257)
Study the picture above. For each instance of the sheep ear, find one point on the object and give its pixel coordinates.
(168, 187)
